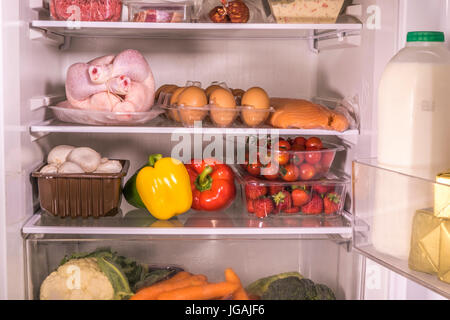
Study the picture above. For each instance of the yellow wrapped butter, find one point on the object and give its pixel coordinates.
(425, 240)
(442, 196)
(444, 257)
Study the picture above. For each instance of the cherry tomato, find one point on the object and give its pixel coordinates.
(314, 142)
(290, 173)
(282, 157)
(282, 145)
(313, 157)
(327, 158)
(307, 171)
(298, 147)
(300, 141)
(271, 171)
(254, 169)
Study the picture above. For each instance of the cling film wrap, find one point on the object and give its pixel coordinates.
(442, 196)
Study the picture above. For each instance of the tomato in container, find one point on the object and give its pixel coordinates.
(86, 10)
(262, 198)
(298, 159)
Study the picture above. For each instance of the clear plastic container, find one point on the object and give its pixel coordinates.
(289, 165)
(263, 198)
(101, 118)
(86, 10)
(306, 11)
(159, 11)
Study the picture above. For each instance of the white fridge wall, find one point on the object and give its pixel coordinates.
(30, 68)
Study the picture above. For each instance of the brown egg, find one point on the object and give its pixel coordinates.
(167, 88)
(256, 106)
(210, 89)
(190, 99)
(223, 106)
(173, 113)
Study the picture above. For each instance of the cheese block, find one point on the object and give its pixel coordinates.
(303, 114)
(425, 241)
(442, 196)
(444, 256)
(306, 11)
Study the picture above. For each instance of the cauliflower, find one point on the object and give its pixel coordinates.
(78, 279)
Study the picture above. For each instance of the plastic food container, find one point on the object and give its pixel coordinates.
(263, 198)
(161, 12)
(306, 11)
(86, 10)
(289, 165)
(99, 118)
(81, 195)
(220, 117)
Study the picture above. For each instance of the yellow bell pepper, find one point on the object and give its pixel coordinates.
(164, 187)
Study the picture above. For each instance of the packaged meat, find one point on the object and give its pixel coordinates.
(306, 11)
(161, 11)
(81, 194)
(86, 10)
(263, 198)
(303, 114)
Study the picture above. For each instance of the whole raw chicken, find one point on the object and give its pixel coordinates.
(122, 83)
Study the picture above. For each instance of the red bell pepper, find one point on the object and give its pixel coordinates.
(212, 184)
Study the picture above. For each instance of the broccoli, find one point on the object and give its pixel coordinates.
(324, 293)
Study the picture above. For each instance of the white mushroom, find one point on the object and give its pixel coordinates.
(111, 166)
(48, 169)
(70, 167)
(58, 155)
(88, 159)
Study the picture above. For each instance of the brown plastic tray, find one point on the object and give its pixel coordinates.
(81, 195)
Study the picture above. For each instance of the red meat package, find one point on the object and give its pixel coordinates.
(86, 10)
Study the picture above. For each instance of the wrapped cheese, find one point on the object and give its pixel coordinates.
(306, 11)
(442, 196)
(425, 240)
(444, 256)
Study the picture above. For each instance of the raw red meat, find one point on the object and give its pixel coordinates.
(86, 10)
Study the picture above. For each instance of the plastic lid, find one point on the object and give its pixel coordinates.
(425, 36)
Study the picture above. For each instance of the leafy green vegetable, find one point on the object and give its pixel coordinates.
(258, 287)
(324, 293)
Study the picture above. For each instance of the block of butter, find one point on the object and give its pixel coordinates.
(306, 11)
(425, 241)
(442, 196)
(444, 256)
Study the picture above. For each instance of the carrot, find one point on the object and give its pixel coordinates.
(150, 293)
(179, 276)
(232, 277)
(204, 292)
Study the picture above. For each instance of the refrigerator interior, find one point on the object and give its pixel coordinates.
(283, 66)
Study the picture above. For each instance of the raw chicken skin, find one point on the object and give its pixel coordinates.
(122, 83)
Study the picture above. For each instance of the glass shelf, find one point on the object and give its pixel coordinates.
(162, 125)
(402, 231)
(196, 30)
(229, 222)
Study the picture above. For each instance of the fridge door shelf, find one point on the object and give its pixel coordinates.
(230, 223)
(402, 231)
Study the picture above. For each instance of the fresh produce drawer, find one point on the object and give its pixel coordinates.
(323, 261)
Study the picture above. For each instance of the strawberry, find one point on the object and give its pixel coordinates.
(250, 206)
(283, 201)
(275, 189)
(315, 206)
(253, 190)
(300, 197)
(331, 202)
(263, 207)
(321, 189)
(292, 210)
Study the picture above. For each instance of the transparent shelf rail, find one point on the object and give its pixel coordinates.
(403, 232)
(196, 30)
(229, 222)
(161, 125)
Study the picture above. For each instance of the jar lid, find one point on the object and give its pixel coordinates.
(425, 36)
